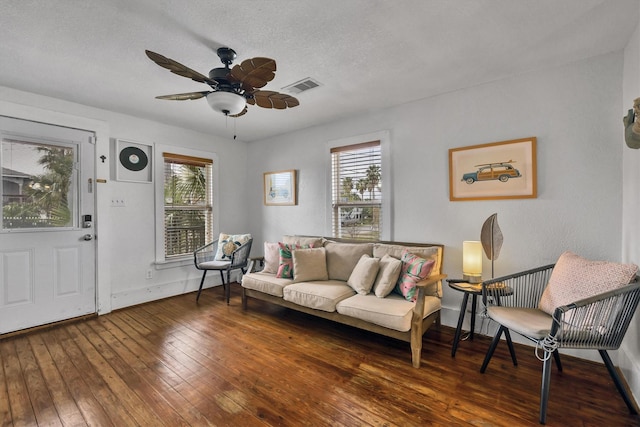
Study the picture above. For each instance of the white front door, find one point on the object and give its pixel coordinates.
(47, 251)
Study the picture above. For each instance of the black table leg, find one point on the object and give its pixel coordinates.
(474, 298)
(456, 338)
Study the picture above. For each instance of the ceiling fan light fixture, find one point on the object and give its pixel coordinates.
(227, 103)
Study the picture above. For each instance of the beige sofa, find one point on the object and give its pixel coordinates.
(331, 280)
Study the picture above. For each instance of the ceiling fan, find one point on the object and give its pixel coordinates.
(231, 88)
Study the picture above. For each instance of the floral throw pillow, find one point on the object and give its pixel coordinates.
(285, 264)
(228, 243)
(414, 269)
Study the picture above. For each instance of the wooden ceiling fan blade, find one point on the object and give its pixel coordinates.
(179, 69)
(271, 99)
(254, 73)
(184, 96)
(291, 101)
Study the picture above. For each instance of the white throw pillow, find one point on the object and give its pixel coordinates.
(388, 274)
(309, 264)
(364, 274)
(271, 257)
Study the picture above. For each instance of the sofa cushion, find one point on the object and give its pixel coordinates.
(318, 295)
(265, 282)
(228, 243)
(343, 257)
(396, 251)
(574, 278)
(308, 241)
(414, 269)
(393, 312)
(271, 257)
(364, 274)
(387, 276)
(309, 264)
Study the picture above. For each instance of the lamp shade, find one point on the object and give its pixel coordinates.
(227, 103)
(472, 261)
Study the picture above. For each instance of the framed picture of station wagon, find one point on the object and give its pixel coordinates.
(280, 188)
(498, 170)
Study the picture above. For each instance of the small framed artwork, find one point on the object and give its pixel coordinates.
(499, 170)
(133, 161)
(280, 188)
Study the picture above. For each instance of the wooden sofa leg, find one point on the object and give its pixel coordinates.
(416, 346)
(244, 299)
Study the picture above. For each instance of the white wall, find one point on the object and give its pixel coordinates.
(126, 235)
(574, 111)
(629, 353)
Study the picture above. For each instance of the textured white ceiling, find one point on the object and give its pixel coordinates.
(367, 54)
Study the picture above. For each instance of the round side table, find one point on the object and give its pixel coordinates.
(473, 289)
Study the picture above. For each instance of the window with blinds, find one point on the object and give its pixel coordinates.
(356, 177)
(188, 204)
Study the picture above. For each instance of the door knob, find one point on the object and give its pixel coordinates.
(87, 237)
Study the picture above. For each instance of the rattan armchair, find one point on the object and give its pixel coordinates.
(599, 323)
(204, 259)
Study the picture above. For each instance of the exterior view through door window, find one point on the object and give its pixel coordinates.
(37, 186)
(188, 204)
(356, 173)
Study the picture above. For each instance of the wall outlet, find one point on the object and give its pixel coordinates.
(149, 274)
(117, 203)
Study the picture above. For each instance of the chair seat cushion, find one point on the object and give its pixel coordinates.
(214, 265)
(265, 283)
(393, 312)
(529, 322)
(322, 295)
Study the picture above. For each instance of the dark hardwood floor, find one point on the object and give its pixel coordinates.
(174, 362)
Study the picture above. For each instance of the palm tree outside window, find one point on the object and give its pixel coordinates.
(188, 204)
(357, 191)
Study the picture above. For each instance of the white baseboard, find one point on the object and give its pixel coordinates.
(628, 364)
(145, 294)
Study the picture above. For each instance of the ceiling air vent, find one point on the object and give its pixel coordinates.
(301, 86)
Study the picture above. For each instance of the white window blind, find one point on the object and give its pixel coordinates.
(357, 191)
(188, 204)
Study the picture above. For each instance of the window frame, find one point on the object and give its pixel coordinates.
(160, 255)
(385, 164)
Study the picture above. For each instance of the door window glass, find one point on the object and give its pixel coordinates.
(39, 187)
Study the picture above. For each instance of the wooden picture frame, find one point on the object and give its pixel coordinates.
(280, 188)
(498, 170)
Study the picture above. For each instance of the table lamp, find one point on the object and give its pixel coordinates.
(472, 261)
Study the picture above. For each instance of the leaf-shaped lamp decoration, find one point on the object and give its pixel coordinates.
(491, 237)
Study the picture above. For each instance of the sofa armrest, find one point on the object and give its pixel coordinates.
(422, 291)
(253, 262)
(431, 280)
(432, 285)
